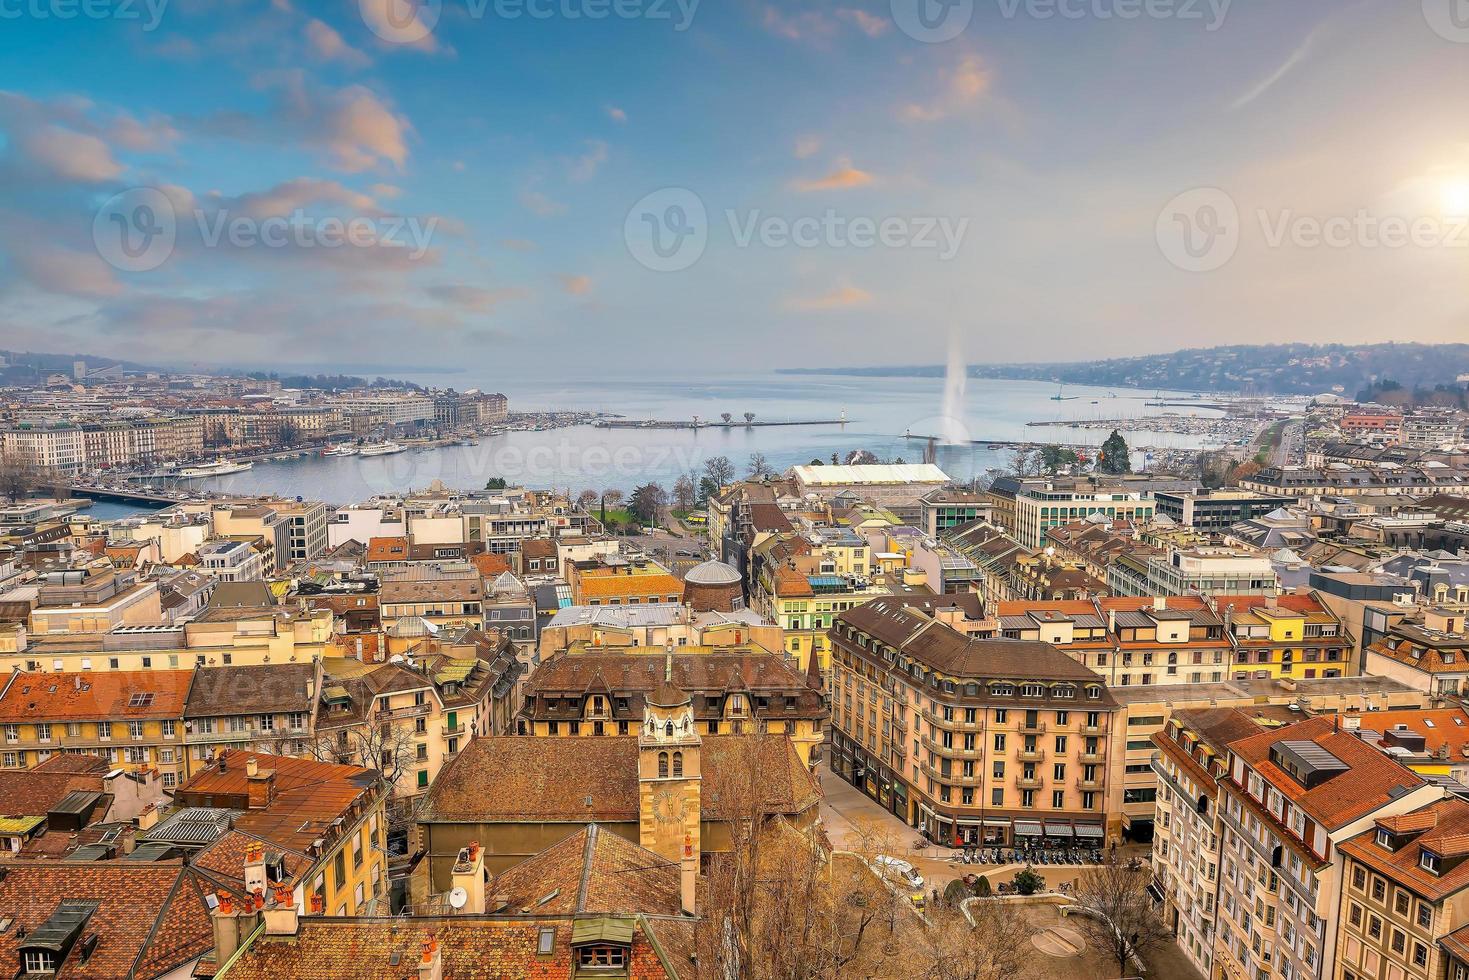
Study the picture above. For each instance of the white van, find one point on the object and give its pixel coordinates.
(899, 870)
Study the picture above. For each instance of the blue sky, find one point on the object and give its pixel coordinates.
(494, 163)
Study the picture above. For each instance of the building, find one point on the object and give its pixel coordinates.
(732, 690)
(713, 586)
(653, 625)
(980, 740)
(446, 596)
(1292, 797)
(1040, 507)
(1429, 653)
(940, 510)
(97, 599)
(1190, 759)
(517, 796)
(1214, 510)
(266, 708)
(1403, 894)
(140, 920)
(1293, 635)
(1206, 569)
(893, 485)
(69, 792)
(135, 719)
(232, 560)
(622, 582)
(323, 826)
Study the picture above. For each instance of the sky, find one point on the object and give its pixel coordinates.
(569, 188)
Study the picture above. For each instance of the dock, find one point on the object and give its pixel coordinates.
(705, 424)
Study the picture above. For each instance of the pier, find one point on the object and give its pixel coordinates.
(704, 424)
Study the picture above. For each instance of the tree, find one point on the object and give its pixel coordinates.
(1028, 881)
(817, 462)
(612, 494)
(648, 502)
(289, 433)
(585, 500)
(1057, 458)
(982, 889)
(1115, 458)
(684, 492)
(707, 489)
(989, 943)
(495, 483)
(21, 476)
(759, 465)
(720, 470)
(749, 417)
(726, 417)
(1123, 920)
(1024, 460)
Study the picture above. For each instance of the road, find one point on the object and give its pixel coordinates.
(1290, 443)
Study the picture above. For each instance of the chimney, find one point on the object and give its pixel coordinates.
(148, 818)
(249, 918)
(226, 928)
(1111, 621)
(281, 917)
(431, 963)
(469, 874)
(261, 785)
(1160, 603)
(255, 869)
(317, 903)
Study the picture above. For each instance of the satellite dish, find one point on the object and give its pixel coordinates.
(458, 897)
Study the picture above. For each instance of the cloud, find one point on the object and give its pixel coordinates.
(585, 167)
(841, 298)
(965, 83)
(353, 126)
(798, 26)
(519, 244)
(329, 45)
(539, 204)
(60, 137)
(388, 191)
(63, 271)
(475, 299)
(385, 19)
(300, 194)
(869, 24)
(844, 177)
(807, 146)
(576, 285)
(616, 114)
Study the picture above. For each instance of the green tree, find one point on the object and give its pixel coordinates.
(647, 502)
(1056, 458)
(1115, 458)
(982, 889)
(1028, 881)
(495, 483)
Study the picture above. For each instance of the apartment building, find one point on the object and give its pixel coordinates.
(940, 510)
(96, 599)
(1405, 881)
(1038, 508)
(1429, 653)
(448, 595)
(61, 448)
(260, 708)
(1214, 510)
(1207, 569)
(733, 691)
(314, 833)
(232, 560)
(622, 581)
(1293, 636)
(968, 738)
(656, 625)
(1292, 797)
(133, 718)
(1190, 758)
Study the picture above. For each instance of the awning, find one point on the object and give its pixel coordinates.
(1027, 828)
(1089, 830)
(996, 822)
(1058, 830)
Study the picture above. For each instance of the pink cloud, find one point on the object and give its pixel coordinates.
(844, 177)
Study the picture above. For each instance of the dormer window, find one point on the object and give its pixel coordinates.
(40, 961)
(1385, 840)
(1430, 862)
(601, 957)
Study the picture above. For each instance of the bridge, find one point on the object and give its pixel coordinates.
(127, 495)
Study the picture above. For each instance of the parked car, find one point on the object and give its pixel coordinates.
(899, 870)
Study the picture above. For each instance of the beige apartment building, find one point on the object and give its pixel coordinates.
(1404, 895)
(97, 599)
(967, 738)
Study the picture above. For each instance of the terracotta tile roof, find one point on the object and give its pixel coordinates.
(593, 871)
(1441, 828)
(151, 917)
(387, 549)
(622, 586)
(120, 695)
(490, 564)
(471, 949)
(308, 795)
(538, 548)
(1371, 780)
(224, 860)
(32, 792)
(511, 779)
(1441, 728)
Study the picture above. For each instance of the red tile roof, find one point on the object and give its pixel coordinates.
(121, 695)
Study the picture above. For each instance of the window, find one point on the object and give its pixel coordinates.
(40, 961)
(1359, 877)
(1428, 862)
(135, 730)
(662, 765)
(678, 763)
(545, 942)
(1425, 915)
(612, 957)
(1400, 902)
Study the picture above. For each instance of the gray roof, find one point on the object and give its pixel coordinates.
(713, 573)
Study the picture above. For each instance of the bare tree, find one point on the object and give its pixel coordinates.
(993, 948)
(726, 417)
(388, 747)
(759, 465)
(1122, 918)
(749, 417)
(20, 476)
(719, 470)
(684, 493)
(586, 500)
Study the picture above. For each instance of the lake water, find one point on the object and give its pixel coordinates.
(878, 412)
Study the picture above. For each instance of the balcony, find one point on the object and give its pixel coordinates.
(409, 711)
(1033, 727)
(1092, 729)
(954, 777)
(953, 724)
(1031, 755)
(949, 751)
(1088, 784)
(458, 728)
(1027, 782)
(1093, 757)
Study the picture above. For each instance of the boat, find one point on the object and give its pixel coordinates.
(345, 449)
(1058, 397)
(220, 467)
(382, 449)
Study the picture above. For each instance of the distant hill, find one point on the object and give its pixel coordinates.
(1284, 369)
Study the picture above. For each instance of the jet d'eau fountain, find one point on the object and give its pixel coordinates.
(956, 380)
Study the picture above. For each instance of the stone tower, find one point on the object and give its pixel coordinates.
(668, 781)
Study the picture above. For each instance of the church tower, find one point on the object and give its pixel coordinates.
(668, 781)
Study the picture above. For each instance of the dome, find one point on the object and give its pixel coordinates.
(713, 573)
